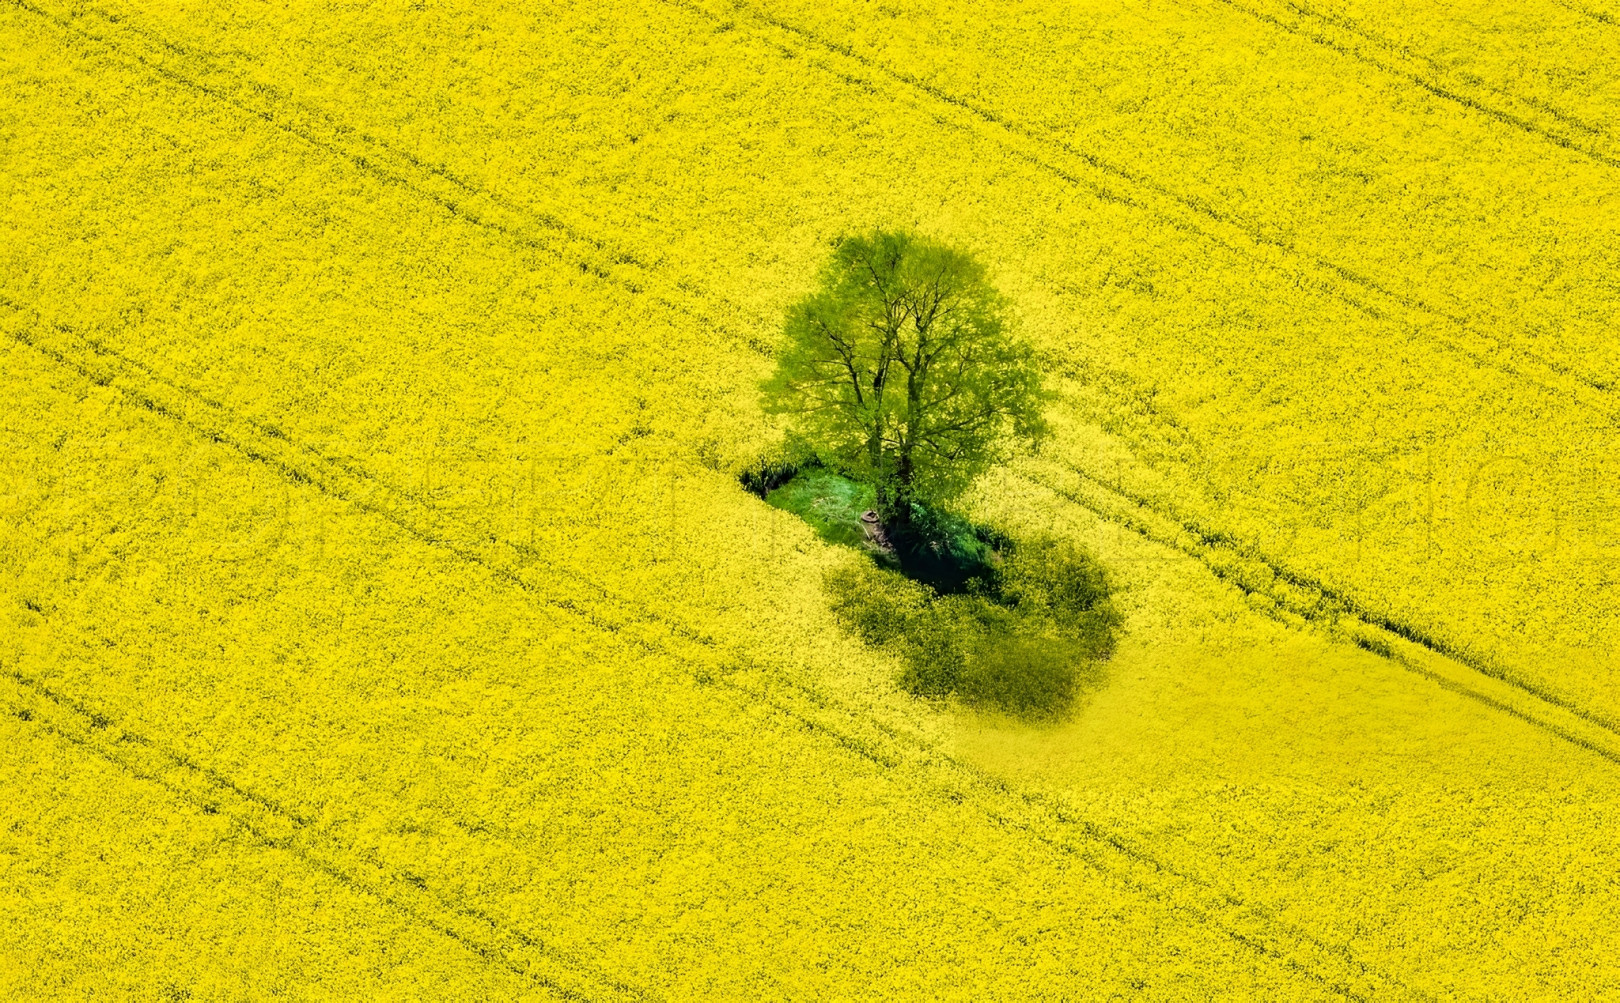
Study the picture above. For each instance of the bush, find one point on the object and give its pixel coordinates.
(944, 550)
(1027, 639)
(877, 606)
(1030, 677)
(933, 656)
(1055, 577)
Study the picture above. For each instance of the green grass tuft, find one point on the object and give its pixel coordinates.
(830, 503)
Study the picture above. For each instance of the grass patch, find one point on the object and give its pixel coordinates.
(832, 505)
(940, 549)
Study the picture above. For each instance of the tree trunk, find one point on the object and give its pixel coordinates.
(903, 469)
(902, 487)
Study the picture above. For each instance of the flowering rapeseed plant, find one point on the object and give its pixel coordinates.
(380, 614)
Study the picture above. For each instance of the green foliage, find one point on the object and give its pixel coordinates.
(831, 504)
(877, 607)
(1026, 640)
(1030, 677)
(941, 548)
(1061, 585)
(900, 370)
(933, 546)
(935, 652)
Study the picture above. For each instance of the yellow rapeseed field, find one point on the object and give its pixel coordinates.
(381, 615)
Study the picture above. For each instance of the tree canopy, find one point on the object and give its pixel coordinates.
(901, 369)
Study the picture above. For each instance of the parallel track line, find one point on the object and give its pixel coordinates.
(1399, 642)
(1334, 33)
(1220, 226)
(712, 663)
(271, 825)
(366, 159)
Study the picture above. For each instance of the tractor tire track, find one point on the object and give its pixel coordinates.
(1591, 12)
(1341, 35)
(1200, 218)
(685, 294)
(1306, 600)
(564, 976)
(713, 663)
(462, 199)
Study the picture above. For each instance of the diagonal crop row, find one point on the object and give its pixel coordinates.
(1350, 39)
(715, 663)
(1592, 12)
(436, 183)
(546, 232)
(328, 133)
(549, 968)
(549, 233)
(1297, 598)
(1193, 215)
(350, 472)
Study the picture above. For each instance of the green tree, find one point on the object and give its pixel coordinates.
(900, 368)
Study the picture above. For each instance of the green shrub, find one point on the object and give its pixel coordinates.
(933, 656)
(944, 550)
(1031, 677)
(1061, 581)
(1027, 639)
(877, 606)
